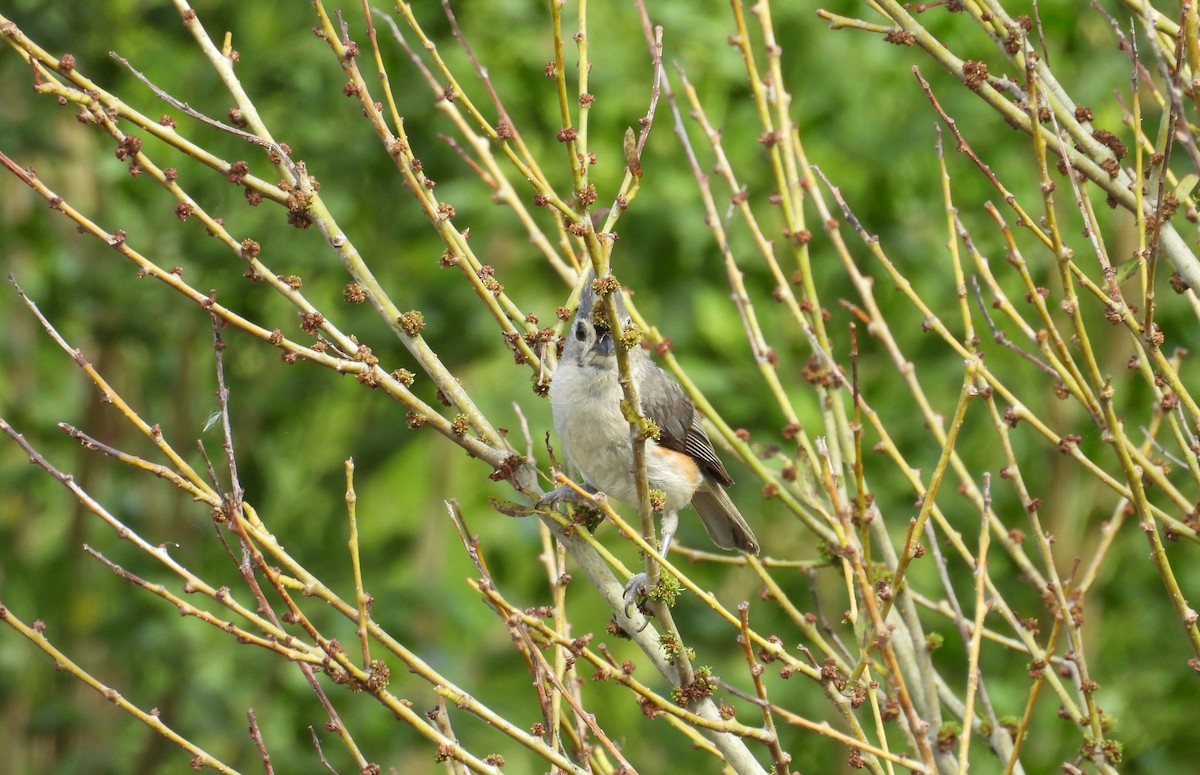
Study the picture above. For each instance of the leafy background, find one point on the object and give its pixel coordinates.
(863, 120)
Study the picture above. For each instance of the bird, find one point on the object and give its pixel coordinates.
(594, 434)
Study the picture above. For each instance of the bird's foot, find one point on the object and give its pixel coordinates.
(562, 494)
(637, 587)
(558, 495)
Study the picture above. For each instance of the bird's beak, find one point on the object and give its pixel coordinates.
(604, 343)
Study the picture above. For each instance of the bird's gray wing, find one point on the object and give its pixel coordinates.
(679, 424)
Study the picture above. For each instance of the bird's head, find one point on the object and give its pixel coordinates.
(591, 341)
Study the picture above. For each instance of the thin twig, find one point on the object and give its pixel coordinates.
(256, 737)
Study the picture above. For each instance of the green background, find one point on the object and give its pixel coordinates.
(864, 122)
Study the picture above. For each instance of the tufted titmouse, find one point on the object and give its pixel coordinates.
(585, 397)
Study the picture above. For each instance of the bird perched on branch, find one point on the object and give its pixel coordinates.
(586, 397)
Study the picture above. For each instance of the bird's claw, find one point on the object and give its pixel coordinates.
(565, 494)
(636, 587)
(557, 496)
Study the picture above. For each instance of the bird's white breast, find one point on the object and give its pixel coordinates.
(594, 435)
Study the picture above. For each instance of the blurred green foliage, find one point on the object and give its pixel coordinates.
(864, 121)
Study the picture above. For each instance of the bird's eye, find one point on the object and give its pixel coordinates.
(581, 331)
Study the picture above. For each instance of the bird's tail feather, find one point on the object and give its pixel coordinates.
(724, 523)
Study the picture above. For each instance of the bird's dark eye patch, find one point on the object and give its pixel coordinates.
(581, 331)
